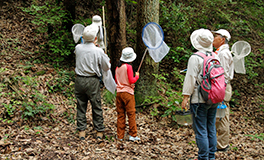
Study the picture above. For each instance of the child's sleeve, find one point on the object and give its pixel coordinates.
(130, 73)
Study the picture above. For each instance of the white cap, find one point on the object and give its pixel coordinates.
(223, 33)
(202, 39)
(97, 20)
(90, 32)
(128, 55)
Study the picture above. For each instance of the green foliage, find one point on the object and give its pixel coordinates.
(258, 136)
(62, 83)
(175, 22)
(51, 18)
(27, 101)
(168, 98)
(130, 1)
(108, 97)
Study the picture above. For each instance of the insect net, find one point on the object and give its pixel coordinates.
(153, 38)
(77, 31)
(240, 50)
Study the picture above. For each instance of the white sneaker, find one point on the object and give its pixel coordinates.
(134, 138)
(119, 139)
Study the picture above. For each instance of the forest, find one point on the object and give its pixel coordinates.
(38, 105)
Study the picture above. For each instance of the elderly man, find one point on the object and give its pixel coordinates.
(203, 114)
(221, 39)
(90, 60)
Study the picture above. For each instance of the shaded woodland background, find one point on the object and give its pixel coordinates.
(37, 105)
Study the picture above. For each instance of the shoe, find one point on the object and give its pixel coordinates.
(134, 138)
(82, 135)
(121, 140)
(223, 150)
(99, 135)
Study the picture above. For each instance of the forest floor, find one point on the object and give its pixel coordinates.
(55, 137)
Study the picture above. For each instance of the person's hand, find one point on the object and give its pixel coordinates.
(137, 73)
(184, 102)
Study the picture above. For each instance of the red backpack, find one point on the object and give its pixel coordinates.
(212, 87)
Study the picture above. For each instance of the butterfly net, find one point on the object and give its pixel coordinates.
(240, 50)
(153, 36)
(77, 31)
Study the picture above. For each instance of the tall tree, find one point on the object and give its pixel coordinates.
(147, 11)
(116, 30)
(70, 7)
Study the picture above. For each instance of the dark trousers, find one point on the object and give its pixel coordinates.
(88, 89)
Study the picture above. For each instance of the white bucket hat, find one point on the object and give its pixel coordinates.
(223, 33)
(128, 55)
(97, 20)
(202, 39)
(90, 32)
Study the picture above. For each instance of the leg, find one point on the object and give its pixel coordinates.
(131, 113)
(121, 116)
(222, 126)
(200, 129)
(82, 100)
(94, 93)
(212, 131)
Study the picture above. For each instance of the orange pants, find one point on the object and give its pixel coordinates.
(125, 105)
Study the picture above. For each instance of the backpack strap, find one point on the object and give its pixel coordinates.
(202, 55)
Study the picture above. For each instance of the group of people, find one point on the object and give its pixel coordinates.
(91, 63)
(211, 134)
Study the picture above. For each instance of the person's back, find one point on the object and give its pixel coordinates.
(89, 62)
(203, 114)
(89, 58)
(125, 100)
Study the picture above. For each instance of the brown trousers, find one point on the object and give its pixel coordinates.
(223, 125)
(125, 105)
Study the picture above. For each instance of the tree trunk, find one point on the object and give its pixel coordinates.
(147, 11)
(70, 7)
(116, 30)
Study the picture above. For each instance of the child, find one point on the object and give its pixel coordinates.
(125, 100)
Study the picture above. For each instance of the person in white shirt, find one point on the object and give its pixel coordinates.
(90, 60)
(221, 39)
(204, 115)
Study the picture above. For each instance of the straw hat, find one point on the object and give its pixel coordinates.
(202, 39)
(128, 55)
(90, 32)
(97, 20)
(223, 33)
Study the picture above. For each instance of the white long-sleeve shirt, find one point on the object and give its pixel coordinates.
(90, 60)
(226, 60)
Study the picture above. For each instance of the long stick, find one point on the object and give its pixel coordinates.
(142, 59)
(104, 30)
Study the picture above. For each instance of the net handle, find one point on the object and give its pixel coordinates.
(142, 59)
(104, 29)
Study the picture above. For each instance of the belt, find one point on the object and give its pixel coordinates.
(95, 76)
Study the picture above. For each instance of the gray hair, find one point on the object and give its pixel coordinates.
(226, 41)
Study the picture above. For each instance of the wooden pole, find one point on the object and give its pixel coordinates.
(104, 30)
(142, 59)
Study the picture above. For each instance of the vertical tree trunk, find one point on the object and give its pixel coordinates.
(116, 30)
(147, 11)
(70, 7)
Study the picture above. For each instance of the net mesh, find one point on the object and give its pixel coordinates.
(77, 31)
(240, 49)
(152, 35)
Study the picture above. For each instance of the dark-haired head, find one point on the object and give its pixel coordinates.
(119, 64)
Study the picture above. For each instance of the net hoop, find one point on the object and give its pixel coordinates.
(143, 33)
